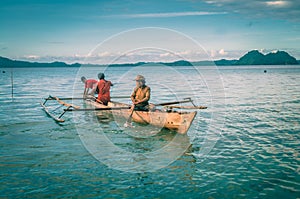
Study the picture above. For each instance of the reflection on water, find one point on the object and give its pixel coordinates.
(141, 148)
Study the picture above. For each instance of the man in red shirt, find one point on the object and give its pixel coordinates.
(103, 89)
(89, 84)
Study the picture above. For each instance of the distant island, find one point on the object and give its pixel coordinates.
(8, 63)
(253, 57)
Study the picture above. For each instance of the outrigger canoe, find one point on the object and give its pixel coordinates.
(172, 120)
(169, 117)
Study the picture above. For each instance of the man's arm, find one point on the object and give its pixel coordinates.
(93, 89)
(85, 91)
(132, 97)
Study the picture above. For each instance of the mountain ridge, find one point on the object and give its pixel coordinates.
(253, 57)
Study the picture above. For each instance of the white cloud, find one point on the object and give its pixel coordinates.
(222, 52)
(31, 57)
(186, 52)
(105, 54)
(213, 53)
(278, 3)
(280, 9)
(274, 51)
(165, 55)
(262, 51)
(168, 14)
(218, 53)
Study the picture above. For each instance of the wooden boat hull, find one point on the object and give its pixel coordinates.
(173, 120)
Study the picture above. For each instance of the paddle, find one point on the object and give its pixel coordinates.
(175, 102)
(128, 121)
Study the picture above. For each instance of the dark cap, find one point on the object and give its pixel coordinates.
(101, 75)
(83, 79)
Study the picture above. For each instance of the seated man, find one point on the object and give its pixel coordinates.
(141, 94)
(103, 89)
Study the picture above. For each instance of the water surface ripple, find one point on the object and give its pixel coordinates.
(256, 151)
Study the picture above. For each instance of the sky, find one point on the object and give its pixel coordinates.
(70, 31)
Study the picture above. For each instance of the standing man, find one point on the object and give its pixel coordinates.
(89, 84)
(103, 89)
(141, 94)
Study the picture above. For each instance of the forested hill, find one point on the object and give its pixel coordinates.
(254, 57)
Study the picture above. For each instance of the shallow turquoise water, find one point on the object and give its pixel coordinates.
(245, 145)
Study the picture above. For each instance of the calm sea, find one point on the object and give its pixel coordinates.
(245, 145)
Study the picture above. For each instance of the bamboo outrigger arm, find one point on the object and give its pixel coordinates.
(60, 102)
(59, 118)
(187, 107)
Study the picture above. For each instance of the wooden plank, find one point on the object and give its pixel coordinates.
(66, 104)
(188, 107)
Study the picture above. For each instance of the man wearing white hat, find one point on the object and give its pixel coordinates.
(141, 94)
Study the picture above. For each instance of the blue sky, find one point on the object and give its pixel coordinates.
(68, 30)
